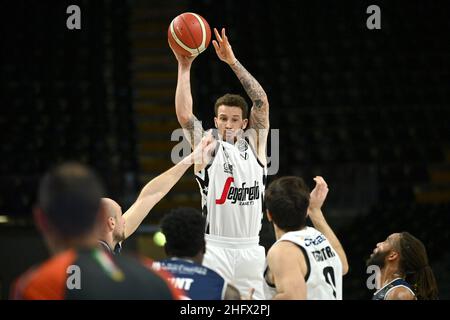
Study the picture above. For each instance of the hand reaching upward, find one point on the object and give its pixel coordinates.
(223, 47)
(318, 195)
(183, 60)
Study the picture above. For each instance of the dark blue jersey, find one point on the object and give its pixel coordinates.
(383, 292)
(197, 281)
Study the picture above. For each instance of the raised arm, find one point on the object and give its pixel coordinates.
(183, 101)
(157, 188)
(259, 115)
(318, 196)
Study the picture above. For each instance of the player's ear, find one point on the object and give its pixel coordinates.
(393, 255)
(269, 215)
(111, 223)
(215, 122)
(244, 124)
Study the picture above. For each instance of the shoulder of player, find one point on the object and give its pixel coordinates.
(400, 293)
(284, 249)
(54, 266)
(45, 281)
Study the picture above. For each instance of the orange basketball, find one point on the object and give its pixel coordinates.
(189, 34)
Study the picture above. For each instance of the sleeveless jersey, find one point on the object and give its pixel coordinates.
(324, 267)
(232, 190)
(382, 293)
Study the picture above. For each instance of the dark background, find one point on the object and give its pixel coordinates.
(366, 109)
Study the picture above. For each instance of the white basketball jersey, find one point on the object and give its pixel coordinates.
(232, 190)
(324, 277)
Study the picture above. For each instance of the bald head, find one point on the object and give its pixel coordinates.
(116, 222)
(111, 207)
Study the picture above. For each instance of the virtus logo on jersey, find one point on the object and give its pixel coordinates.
(228, 168)
(245, 195)
(242, 146)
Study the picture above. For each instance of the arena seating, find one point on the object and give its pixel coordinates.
(65, 95)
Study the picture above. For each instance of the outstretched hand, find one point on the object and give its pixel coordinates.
(223, 47)
(202, 153)
(318, 195)
(183, 60)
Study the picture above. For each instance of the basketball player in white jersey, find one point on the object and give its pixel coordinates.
(305, 262)
(232, 184)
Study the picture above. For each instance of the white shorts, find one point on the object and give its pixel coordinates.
(240, 261)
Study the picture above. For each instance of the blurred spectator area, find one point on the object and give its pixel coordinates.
(64, 95)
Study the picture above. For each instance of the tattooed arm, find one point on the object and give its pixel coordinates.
(193, 129)
(259, 115)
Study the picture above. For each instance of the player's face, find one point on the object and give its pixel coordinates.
(229, 122)
(382, 250)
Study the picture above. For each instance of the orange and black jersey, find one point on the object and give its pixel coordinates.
(101, 276)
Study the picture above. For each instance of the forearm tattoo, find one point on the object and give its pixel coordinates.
(257, 121)
(250, 84)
